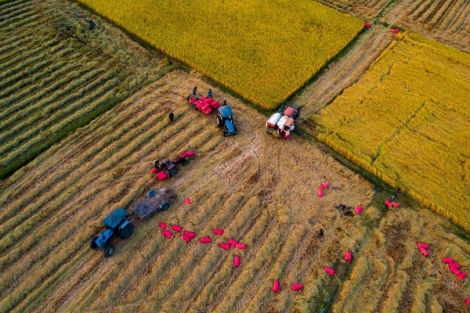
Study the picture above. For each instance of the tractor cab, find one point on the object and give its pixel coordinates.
(169, 167)
(225, 119)
(103, 239)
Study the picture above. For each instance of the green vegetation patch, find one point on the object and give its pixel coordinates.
(262, 50)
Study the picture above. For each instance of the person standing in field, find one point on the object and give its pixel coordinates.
(209, 93)
(171, 116)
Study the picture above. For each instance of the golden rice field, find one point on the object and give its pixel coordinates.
(407, 121)
(261, 190)
(262, 50)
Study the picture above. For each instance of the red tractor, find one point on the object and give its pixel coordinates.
(167, 168)
(204, 104)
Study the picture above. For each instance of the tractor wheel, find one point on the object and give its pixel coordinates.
(220, 122)
(127, 231)
(173, 171)
(194, 106)
(165, 206)
(108, 250)
(185, 162)
(93, 244)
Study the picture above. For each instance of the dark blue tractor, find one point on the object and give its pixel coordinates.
(225, 119)
(117, 223)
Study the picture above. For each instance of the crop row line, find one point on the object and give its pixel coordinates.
(12, 18)
(39, 101)
(23, 132)
(14, 43)
(11, 5)
(29, 85)
(24, 69)
(19, 10)
(25, 99)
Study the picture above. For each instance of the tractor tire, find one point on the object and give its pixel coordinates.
(220, 122)
(185, 162)
(108, 250)
(165, 206)
(127, 231)
(194, 106)
(173, 171)
(93, 244)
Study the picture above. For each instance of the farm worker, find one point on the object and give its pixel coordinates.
(225, 101)
(156, 164)
(209, 93)
(171, 116)
(287, 132)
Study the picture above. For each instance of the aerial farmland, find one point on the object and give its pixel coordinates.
(362, 208)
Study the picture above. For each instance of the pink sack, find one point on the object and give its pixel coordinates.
(236, 261)
(348, 256)
(185, 238)
(367, 25)
(162, 225)
(453, 270)
(187, 201)
(177, 228)
(205, 239)
(225, 246)
(218, 231)
(161, 176)
(276, 285)
(388, 203)
(329, 270)
(467, 301)
(358, 209)
(462, 275)
(324, 185)
(233, 242)
(215, 104)
(447, 260)
(320, 192)
(154, 170)
(296, 287)
(240, 246)
(424, 251)
(167, 234)
(395, 204)
(190, 234)
(454, 265)
(422, 245)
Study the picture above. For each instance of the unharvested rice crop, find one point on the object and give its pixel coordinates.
(262, 50)
(407, 120)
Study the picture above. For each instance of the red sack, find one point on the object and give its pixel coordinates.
(205, 239)
(218, 231)
(276, 285)
(177, 228)
(296, 287)
(236, 261)
(167, 234)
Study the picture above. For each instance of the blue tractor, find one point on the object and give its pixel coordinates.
(225, 119)
(117, 223)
